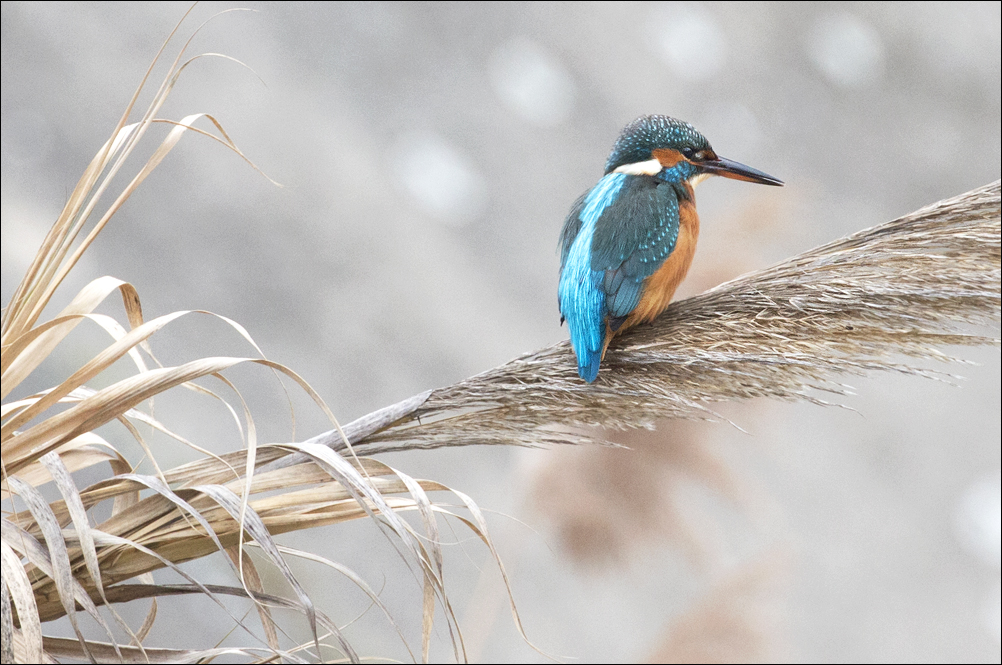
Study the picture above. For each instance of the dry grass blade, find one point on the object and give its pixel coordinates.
(82, 452)
(25, 353)
(478, 525)
(365, 494)
(356, 580)
(59, 647)
(78, 516)
(252, 580)
(906, 287)
(250, 521)
(15, 581)
(6, 625)
(120, 592)
(59, 556)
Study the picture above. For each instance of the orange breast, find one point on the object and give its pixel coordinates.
(660, 287)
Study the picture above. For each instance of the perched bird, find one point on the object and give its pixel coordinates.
(628, 241)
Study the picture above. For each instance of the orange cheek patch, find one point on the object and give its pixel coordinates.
(667, 157)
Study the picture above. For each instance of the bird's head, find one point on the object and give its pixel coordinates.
(675, 151)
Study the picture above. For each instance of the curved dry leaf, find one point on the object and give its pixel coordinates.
(151, 616)
(249, 520)
(103, 360)
(424, 507)
(78, 514)
(82, 452)
(251, 580)
(363, 493)
(109, 403)
(85, 540)
(251, 448)
(128, 592)
(6, 624)
(355, 579)
(117, 332)
(59, 558)
(479, 527)
(59, 647)
(432, 582)
(107, 539)
(16, 582)
(225, 140)
(32, 347)
(158, 156)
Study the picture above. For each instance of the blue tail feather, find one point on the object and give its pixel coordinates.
(588, 362)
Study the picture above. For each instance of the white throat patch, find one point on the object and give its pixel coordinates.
(650, 167)
(698, 178)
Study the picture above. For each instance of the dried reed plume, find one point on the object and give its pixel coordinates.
(907, 287)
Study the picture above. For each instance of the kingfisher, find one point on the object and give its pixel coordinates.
(628, 241)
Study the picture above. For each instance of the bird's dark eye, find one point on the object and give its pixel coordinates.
(694, 155)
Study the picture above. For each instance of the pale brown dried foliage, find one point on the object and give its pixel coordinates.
(57, 562)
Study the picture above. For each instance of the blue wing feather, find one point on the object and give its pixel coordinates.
(639, 231)
(632, 239)
(617, 235)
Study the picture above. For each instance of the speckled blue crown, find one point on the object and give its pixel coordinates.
(648, 132)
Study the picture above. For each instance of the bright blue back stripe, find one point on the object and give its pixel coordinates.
(582, 300)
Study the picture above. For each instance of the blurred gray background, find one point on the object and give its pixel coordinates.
(428, 154)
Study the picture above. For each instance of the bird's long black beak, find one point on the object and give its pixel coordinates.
(732, 169)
